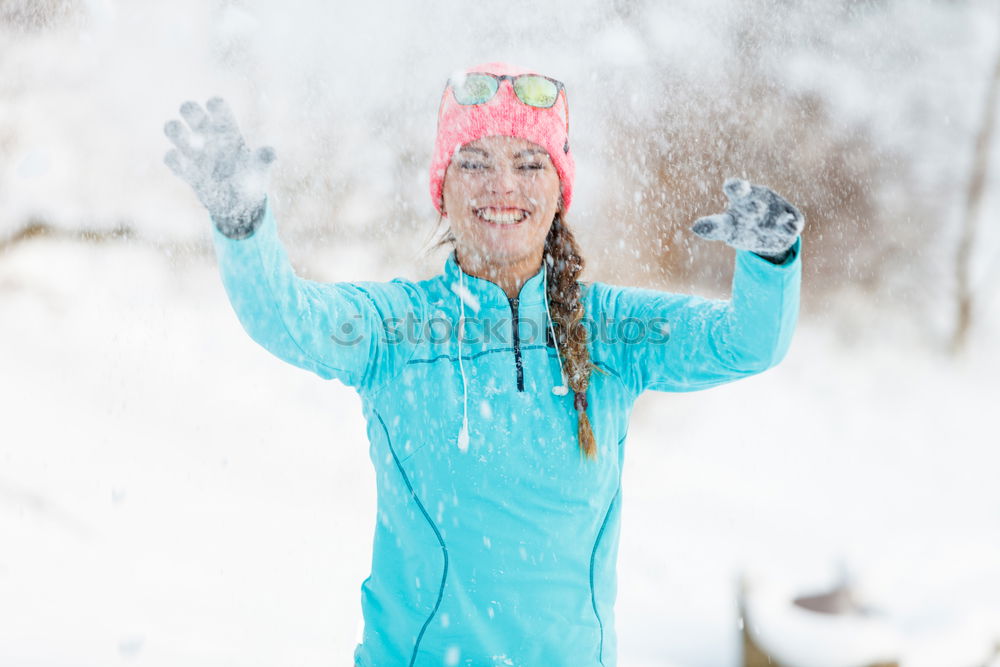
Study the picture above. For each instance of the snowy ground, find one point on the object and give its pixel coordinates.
(171, 494)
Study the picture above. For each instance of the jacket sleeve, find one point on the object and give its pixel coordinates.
(348, 331)
(673, 342)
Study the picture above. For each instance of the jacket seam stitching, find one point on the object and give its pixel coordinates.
(470, 357)
(374, 390)
(593, 557)
(611, 369)
(437, 533)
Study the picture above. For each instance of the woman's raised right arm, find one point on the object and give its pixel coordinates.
(336, 330)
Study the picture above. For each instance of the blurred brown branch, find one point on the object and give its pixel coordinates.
(973, 203)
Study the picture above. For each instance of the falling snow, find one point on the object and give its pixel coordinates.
(169, 491)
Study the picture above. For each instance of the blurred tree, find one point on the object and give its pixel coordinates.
(965, 295)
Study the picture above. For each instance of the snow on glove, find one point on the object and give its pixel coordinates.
(211, 156)
(758, 220)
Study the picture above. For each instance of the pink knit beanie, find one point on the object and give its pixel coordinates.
(503, 115)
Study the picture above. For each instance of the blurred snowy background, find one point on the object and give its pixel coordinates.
(171, 494)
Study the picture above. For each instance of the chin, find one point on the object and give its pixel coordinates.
(504, 251)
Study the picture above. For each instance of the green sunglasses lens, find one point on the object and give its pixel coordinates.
(536, 91)
(475, 89)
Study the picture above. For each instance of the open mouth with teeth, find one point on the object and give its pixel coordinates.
(501, 216)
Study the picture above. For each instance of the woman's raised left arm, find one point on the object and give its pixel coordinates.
(675, 342)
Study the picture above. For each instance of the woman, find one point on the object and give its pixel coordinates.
(497, 393)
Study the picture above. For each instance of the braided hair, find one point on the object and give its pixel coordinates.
(562, 253)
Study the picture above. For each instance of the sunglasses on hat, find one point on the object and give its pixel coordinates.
(534, 90)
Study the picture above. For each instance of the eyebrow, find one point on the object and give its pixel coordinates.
(527, 151)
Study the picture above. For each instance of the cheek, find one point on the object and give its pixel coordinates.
(458, 191)
(548, 192)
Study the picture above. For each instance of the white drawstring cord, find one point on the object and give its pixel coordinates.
(559, 390)
(463, 435)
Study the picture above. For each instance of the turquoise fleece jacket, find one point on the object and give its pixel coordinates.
(502, 553)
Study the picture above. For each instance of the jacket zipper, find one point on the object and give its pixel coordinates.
(517, 343)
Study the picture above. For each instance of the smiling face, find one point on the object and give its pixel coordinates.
(500, 196)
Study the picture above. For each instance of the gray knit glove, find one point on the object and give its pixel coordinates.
(758, 220)
(229, 179)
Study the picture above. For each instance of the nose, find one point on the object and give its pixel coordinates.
(502, 180)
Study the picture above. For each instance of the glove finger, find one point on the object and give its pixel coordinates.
(263, 157)
(222, 116)
(736, 188)
(180, 166)
(195, 116)
(780, 203)
(795, 225)
(790, 219)
(181, 137)
(714, 227)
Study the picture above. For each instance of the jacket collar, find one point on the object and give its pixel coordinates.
(487, 292)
